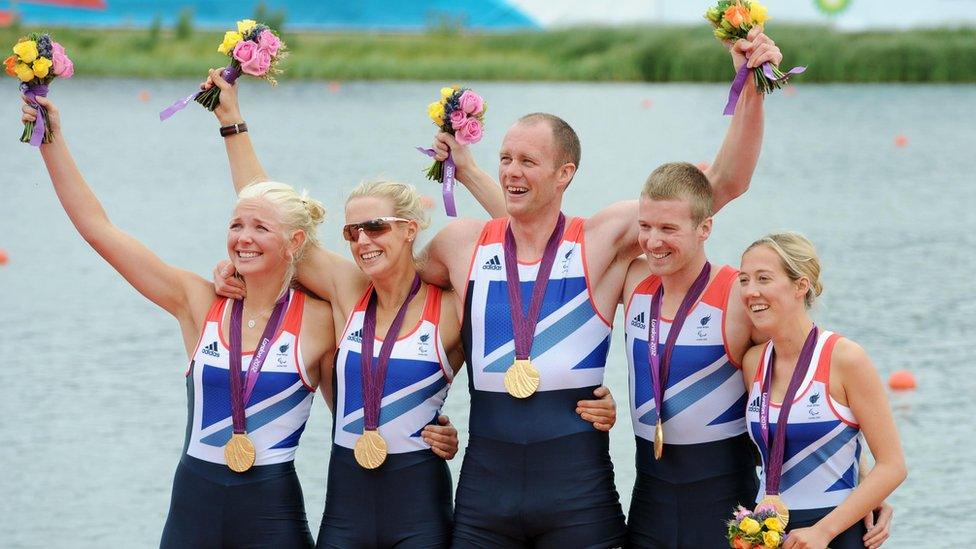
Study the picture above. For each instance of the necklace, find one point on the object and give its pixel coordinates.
(252, 319)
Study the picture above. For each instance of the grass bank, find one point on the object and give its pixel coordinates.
(652, 54)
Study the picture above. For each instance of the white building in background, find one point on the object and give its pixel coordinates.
(852, 15)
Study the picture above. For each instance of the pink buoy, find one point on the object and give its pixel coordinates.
(427, 202)
(790, 91)
(145, 96)
(901, 140)
(902, 380)
(703, 166)
(334, 86)
(646, 103)
(3, 257)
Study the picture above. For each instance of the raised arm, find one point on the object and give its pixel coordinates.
(736, 160)
(481, 185)
(181, 293)
(245, 168)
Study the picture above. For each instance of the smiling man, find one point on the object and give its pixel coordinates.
(536, 302)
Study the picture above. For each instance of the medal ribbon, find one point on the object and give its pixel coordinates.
(523, 326)
(447, 185)
(240, 395)
(661, 365)
(373, 379)
(774, 467)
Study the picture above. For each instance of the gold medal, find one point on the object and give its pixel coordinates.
(522, 379)
(370, 450)
(658, 440)
(776, 502)
(239, 453)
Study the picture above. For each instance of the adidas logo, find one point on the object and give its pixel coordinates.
(356, 336)
(211, 350)
(754, 405)
(492, 264)
(638, 321)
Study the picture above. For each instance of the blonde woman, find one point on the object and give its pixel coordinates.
(254, 363)
(814, 397)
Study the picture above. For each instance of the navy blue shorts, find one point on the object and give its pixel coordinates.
(852, 538)
(404, 503)
(688, 515)
(212, 506)
(552, 494)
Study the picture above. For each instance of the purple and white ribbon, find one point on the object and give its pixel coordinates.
(230, 74)
(447, 185)
(32, 92)
(238, 395)
(661, 365)
(774, 463)
(743, 74)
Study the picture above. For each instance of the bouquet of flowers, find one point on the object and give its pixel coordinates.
(253, 49)
(732, 20)
(37, 60)
(461, 113)
(759, 529)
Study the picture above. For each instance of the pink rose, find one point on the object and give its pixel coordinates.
(61, 64)
(471, 102)
(258, 64)
(268, 42)
(244, 51)
(458, 118)
(470, 132)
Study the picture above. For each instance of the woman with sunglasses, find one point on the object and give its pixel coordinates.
(249, 399)
(814, 397)
(398, 351)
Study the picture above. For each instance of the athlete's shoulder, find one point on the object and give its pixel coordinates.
(849, 358)
(751, 360)
(637, 272)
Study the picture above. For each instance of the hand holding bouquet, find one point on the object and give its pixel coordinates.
(733, 19)
(762, 528)
(461, 113)
(253, 49)
(37, 60)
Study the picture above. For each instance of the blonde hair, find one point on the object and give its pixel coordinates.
(681, 180)
(407, 201)
(298, 212)
(798, 258)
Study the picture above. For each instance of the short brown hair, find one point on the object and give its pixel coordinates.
(563, 135)
(676, 180)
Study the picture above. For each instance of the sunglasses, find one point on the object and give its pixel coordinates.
(372, 228)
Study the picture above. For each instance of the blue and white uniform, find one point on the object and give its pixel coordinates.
(534, 471)
(823, 442)
(707, 465)
(406, 501)
(212, 505)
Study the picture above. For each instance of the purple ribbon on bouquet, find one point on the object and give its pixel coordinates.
(32, 92)
(447, 186)
(230, 74)
(743, 74)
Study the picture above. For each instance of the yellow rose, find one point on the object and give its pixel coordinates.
(245, 25)
(436, 112)
(771, 539)
(26, 50)
(231, 39)
(24, 72)
(758, 13)
(447, 92)
(749, 526)
(42, 66)
(774, 524)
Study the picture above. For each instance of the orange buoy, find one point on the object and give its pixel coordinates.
(3, 257)
(646, 103)
(703, 166)
(902, 380)
(901, 140)
(144, 96)
(334, 86)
